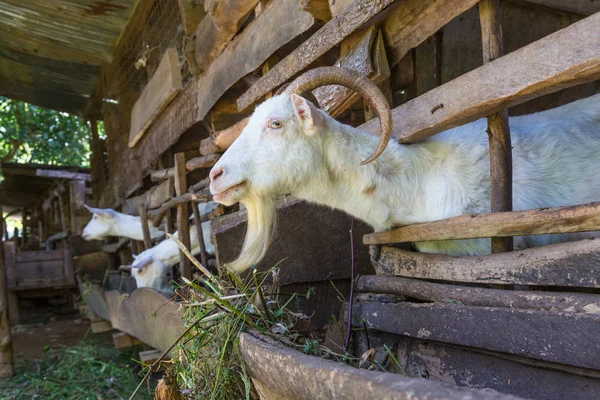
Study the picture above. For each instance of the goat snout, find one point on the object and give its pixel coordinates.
(216, 172)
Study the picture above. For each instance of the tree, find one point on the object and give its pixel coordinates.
(31, 134)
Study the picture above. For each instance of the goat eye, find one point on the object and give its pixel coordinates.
(275, 124)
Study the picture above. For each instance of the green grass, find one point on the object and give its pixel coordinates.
(89, 370)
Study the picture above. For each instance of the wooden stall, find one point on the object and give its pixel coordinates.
(183, 79)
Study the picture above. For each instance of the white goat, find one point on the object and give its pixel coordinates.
(291, 147)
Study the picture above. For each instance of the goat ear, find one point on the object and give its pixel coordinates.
(140, 263)
(309, 116)
(108, 213)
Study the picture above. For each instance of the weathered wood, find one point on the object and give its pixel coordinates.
(77, 201)
(123, 340)
(97, 161)
(147, 315)
(526, 73)
(581, 218)
(574, 264)
(474, 296)
(153, 197)
(475, 368)
(281, 22)
(294, 375)
(52, 173)
(218, 28)
(307, 249)
(318, 8)
(208, 146)
(149, 356)
(158, 215)
(159, 175)
(199, 235)
(191, 13)
(162, 88)
(10, 250)
(202, 184)
(93, 295)
(183, 224)
(100, 326)
(41, 255)
(498, 130)
(202, 162)
(6, 352)
(561, 337)
(582, 7)
(145, 228)
(322, 41)
(68, 273)
(337, 6)
(226, 137)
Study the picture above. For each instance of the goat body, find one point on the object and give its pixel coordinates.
(291, 147)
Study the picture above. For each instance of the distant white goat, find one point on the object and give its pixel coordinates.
(291, 147)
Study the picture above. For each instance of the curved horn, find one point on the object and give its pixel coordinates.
(323, 76)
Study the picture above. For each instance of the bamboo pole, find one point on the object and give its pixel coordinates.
(498, 129)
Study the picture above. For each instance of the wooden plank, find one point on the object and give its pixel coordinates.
(100, 326)
(41, 255)
(281, 22)
(93, 295)
(333, 32)
(150, 356)
(165, 84)
(202, 162)
(526, 73)
(428, 291)
(561, 337)
(218, 28)
(7, 367)
(581, 218)
(498, 130)
(474, 368)
(574, 264)
(123, 340)
(307, 249)
(148, 315)
(52, 173)
(191, 13)
(183, 224)
(294, 375)
(581, 7)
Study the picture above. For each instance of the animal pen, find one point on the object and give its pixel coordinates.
(174, 83)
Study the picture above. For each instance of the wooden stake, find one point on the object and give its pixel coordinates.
(145, 227)
(183, 225)
(200, 233)
(498, 129)
(6, 354)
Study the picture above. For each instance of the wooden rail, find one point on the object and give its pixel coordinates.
(581, 218)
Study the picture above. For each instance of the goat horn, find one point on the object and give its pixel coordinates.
(323, 76)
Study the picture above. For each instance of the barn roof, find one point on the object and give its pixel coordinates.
(23, 184)
(52, 51)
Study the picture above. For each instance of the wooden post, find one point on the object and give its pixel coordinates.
(61, 211)
(6, 355)
(498, 129)
(183, 225)
(77, 201)
(97, 161)
(200, 234)
(145, 227)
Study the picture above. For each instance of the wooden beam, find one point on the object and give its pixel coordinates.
(554, 336)
(573, 264)
(324, 40)
(474, 296)
(527, 73)
(164, 85)
(191, 13)
(208, 146)
(52, 173)
(581, 218)
(498, 130)
(282, 21)
(145, 228)
(581, 7)
(183, 224)
(158, 215)
(7, 368)
(202, 162)
(217, 29)
(287, 373)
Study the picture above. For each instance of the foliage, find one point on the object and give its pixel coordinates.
(88, 370)
(31, 134)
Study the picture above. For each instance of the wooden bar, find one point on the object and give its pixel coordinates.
(158, 215)
(573, 264)
(498, 130)
(145, 228)
(553, 336)
(438, 292)
(199, 233)
(284, 373)
(183, 225)
(226, 137)
(7, 368)
(527, 73)
(61, 211)
(581, 218)
(202, 162)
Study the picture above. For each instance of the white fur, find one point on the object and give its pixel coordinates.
(315, 158)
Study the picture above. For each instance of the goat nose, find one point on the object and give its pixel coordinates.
(215, 173)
